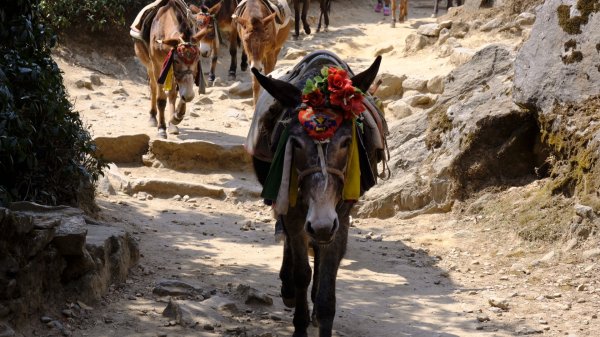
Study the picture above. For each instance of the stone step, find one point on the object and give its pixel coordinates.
(174, 154)
(217, 185)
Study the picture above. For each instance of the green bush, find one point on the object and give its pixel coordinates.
(46, 154)
(97, 15)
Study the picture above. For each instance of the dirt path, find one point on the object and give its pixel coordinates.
(434, 275)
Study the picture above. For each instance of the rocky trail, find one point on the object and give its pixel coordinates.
(209, 262)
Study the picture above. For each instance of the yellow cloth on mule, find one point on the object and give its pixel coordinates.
(351, 190)
(169, 80)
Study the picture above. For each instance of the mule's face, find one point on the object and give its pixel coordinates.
(257, 35)
(185, 68)
(206, 20)
(321, 193)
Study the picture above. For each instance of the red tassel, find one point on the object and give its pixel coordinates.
(165, 68)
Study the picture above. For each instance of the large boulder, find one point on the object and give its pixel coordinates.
(557, 76)
(472, 138)
(560, 63)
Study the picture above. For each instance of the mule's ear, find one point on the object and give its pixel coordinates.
(215, 9)
(194, 9)
(172, 42)
(268, 19)
(242, 22)
(284, 92)
(364, 80)
(199, 36)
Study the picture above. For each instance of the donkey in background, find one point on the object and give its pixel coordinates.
(168, 49)
(263, 31)
(316, 174)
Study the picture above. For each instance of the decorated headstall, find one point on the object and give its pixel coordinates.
(206, 20)
(187, 53)
(327, 100)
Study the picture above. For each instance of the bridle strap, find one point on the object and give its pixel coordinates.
(316, 169)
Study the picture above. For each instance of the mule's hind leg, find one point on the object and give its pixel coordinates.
(286, 275)
(296, 19)
(305, 24)
(233, 44)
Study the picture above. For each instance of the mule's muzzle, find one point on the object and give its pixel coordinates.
(322, 233)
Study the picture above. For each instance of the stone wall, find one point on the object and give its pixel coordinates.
(48, 254)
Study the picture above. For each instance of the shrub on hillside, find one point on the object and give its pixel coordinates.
(97, 15)
(46, 154)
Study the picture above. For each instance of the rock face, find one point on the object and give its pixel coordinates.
(473, 137)
(557, 76)
(57, 245)
(561, 60)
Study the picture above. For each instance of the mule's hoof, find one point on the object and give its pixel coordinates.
(152, 122)
(307, 29)
(393, 24)
(176, 119)
(244, 67)
(289, 302)
(162, 133)
(174, 130)
(231, 76)
(296, 37)
(326, 29)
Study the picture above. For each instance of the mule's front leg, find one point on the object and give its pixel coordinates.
(304, 15)
(161, 103)
(176, 115)
(213, 66)
(296, 19)
(329, 258)
(301, 275)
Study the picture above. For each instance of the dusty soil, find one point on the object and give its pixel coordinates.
(455, 274)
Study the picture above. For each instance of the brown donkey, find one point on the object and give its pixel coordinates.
(206, 18)
(169, 51)
(223, 23)
(263, 30)
(403, 11)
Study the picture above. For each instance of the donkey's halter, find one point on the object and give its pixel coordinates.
(323, 168)
(187, 52)
(207, 20)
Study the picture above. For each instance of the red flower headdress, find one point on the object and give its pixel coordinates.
(333, 88)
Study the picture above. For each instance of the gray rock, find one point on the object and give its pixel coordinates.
(391, 86)
(241, 89)
(175, 288)
(419, 100)
(526, 19)
(70, 235)
(95, 79)
(558, 64)
(429, 29)
(417, 84)
(415, 42)
(591, 253)
(584, 211)
(491, 25)
(424, 180)
(292, 54)
(104, 186)
(383, 50)
(120, 91)
(459, 29)
(435, 85)
(254, 296)
(447, 24)
(444, 36)
(399, 109)
(123, 149)
(84, 84)
(461, 55)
